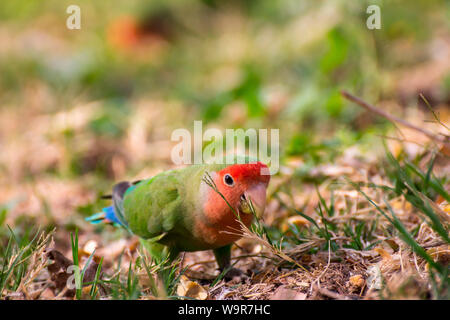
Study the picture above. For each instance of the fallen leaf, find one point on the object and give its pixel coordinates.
(47, 294)
(249, 245)
(59, 261)
(383, 253)
(191, 289)
(91, 270)
(356, 281)
(400, 204)
(298, 221)
(113, 250)
(59, 272)
(283, 293)
(392, 244)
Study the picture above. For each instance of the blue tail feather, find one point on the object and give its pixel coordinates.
(114, 213)
(96, 218)
(106, 216)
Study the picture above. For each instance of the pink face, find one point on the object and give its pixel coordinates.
(242, 182)
(237, 183)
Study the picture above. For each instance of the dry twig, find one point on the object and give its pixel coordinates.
(392, 118)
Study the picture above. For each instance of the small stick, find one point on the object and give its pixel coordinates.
(392, 118)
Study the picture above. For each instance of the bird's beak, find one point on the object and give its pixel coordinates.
(256, 195)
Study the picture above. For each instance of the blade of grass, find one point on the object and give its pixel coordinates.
(93, 291)
(78, 280)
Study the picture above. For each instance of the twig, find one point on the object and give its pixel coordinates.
(392, 118)
(400, 140)
(435, 244)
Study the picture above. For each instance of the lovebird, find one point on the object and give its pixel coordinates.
(190, 209)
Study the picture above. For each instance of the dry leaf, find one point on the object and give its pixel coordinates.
(47, 294)
(191, 289)
(59, 272)
(392, 244)
(114, 249)
(283, 293)
(91, 270)
(383, 253)
(356, 281)
(298, 221)
(400, 204)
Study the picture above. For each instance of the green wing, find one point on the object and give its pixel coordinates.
(154, 206)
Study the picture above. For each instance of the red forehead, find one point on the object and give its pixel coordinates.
(248, 171)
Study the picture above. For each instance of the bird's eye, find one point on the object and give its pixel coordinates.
(228, 179)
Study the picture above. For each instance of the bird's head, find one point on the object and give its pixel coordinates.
(243, 186)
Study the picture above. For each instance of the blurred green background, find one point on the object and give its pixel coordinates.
(83, 108)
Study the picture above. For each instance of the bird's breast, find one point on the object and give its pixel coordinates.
(222, 232)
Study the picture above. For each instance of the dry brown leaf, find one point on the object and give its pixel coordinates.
(60, 272)
(283, 293)
(47, 294)
(295, 220)
(400, 204)
(383, 253)
(114, 249)
(191, 289)
(356, 281)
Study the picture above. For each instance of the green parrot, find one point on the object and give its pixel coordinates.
(177, 210)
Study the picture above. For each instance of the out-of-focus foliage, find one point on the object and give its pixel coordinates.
(81, 109)
(244, 63)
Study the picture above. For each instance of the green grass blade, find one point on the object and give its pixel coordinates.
(92, 292)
